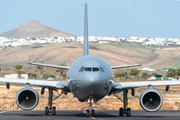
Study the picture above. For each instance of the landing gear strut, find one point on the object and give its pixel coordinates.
(51, 109)
(124, 110)
(90, 111)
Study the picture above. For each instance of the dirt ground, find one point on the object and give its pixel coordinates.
(171, 100)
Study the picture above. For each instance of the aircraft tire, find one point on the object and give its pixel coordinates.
(46, 111)
(54, 111)
(87, 113)
(121, 111)
(92, 112)
(128, 112)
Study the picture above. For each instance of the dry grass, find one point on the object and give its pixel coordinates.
(69, 52)
(114, 54)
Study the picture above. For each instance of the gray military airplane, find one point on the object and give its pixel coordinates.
(90, 78)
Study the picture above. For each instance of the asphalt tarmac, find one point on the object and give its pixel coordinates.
(80, 115)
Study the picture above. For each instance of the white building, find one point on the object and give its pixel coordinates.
(107, 38)
(147, 69)
(80, 39)
(92, 38)
(62, 40)
(103, 42)
(70, 39)
(15, 76)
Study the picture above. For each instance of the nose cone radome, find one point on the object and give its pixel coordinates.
(91, 77)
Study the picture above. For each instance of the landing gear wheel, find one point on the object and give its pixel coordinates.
(121, 111)
(128, 112)
(92, 112)
(46, 111)
(87, 113)
(54, 111)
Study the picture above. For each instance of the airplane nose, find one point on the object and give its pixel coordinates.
(91, 77)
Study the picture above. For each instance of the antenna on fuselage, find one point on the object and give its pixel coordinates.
(86, 44)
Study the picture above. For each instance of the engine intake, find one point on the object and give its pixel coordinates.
(151, 100)
(27, 98)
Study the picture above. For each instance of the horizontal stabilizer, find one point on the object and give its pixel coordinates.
(125, 66)
(47, 65)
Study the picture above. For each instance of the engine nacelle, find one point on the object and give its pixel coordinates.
(151, 100)
(27, 98)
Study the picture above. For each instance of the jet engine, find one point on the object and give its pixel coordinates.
(151, 100)
(27, 98)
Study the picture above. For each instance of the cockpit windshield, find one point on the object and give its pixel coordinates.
(95, 69)
(101, 69)
(89, 69)
(81, 69)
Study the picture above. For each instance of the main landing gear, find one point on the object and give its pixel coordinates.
(90, 111)
(51, 109)
(124, 110)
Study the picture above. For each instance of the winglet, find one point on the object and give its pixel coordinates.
(86, 44)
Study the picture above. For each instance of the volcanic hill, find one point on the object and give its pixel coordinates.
(34, 28)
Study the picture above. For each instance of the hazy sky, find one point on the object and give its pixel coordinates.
(121, 18)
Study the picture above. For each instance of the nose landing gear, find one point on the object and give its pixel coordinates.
(90, 111)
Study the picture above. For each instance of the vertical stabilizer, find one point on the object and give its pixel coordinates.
(86, 44)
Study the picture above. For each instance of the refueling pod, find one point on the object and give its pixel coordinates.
(27, 98)
(151, 100)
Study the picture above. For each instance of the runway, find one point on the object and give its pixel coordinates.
(80, 115)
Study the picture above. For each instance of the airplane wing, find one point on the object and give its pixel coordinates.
(41, 83)
(128, 85)
(48, 65)
(124, 66)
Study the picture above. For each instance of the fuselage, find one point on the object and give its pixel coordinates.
(90, 77)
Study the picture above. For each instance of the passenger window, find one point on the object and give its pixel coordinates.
(101, 69)
(81, 69)
(87, 69)
(95, 69)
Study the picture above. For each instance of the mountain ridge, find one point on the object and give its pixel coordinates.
(34, 28)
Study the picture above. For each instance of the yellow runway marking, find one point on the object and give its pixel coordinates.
(89, 116)
(92, 117)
